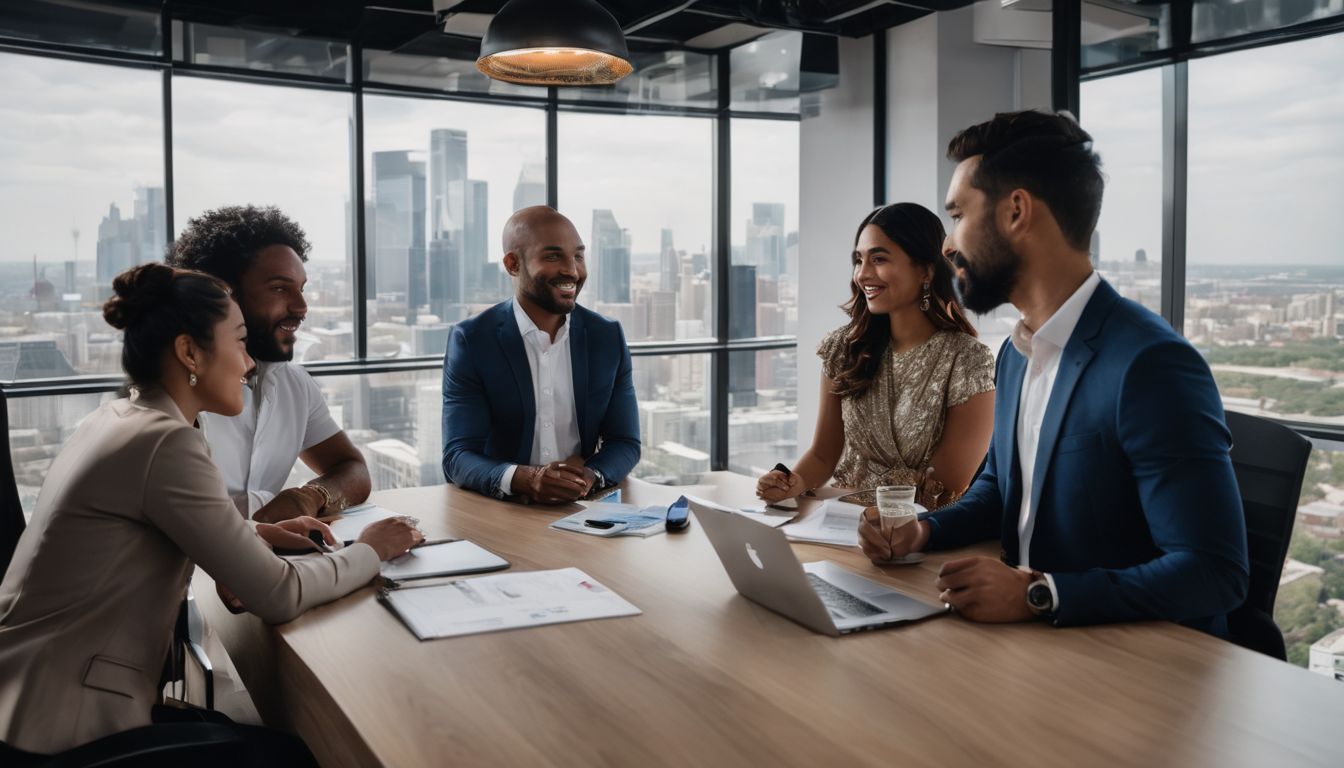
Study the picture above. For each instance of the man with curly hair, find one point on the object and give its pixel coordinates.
(260, 253)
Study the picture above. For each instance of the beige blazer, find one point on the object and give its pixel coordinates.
(88, 603)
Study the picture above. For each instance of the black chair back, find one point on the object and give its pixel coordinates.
(1270, 461)
(11, 511)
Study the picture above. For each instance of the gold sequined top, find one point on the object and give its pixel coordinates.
(892, 428)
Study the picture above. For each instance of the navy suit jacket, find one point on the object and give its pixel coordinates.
(490, 413)
(1138, 512)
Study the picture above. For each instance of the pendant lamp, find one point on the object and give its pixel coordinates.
(554, 42)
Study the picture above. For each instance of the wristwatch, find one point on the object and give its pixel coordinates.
(601, 481)
(1040, 599)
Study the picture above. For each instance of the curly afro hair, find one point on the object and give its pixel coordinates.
(224, 241)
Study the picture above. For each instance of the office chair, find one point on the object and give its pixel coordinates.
(1270, 461)
(11, 510)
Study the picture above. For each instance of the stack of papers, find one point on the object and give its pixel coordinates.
(603, 519)
(354, 520)
(507, 601)
(770, 516)
(834, 523)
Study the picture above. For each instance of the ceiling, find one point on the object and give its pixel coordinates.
(649, 24)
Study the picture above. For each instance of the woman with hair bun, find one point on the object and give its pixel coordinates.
(129, 507)
(906, 389)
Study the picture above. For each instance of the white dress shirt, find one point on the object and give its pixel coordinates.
(1042, 349)
(555, 436)
(283, 415)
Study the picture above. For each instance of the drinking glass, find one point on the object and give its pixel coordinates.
(896, 506)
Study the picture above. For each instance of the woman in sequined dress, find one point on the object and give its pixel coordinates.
(907, 391)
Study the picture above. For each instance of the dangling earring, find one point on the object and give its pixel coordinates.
(191, 380)
(924, 300)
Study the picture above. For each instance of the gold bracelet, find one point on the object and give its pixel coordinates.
(332, 504)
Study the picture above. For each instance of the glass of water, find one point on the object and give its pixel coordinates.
(896, 505)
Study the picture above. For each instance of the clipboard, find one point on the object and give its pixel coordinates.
(458, 557)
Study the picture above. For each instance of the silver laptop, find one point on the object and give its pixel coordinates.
(821, 596)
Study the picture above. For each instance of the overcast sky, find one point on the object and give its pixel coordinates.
(1266, 157)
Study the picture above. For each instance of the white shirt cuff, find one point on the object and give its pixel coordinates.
(1054, 593)
(506, 482)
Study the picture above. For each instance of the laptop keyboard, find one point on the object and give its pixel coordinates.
(839, 601)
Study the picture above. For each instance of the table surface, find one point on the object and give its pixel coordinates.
(706, 677)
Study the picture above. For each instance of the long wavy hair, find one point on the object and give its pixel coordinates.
(919, 232)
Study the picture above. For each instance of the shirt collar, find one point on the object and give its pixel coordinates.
(1059, 327)
(526, 327)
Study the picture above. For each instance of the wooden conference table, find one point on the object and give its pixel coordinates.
(705, 677)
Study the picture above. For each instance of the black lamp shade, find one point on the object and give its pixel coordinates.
(554, 42)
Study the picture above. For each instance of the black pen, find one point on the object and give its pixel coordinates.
(319, 542)
(779, 467)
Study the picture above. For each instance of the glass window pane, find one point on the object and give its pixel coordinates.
(1265, 274)
(764, 229)
(765, 73)
(88, 23)
(640, 190)
(81, 199)
(38, 428)
(666, 78)
(763, 409)
(1124, 115)
(394, 419)
(674, 424)
(447, 71)
(443, 177)
(1216, 19)
(1116, 31)
(208, 45)
(240, 144)
(1311, 589)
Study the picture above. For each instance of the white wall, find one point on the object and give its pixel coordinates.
(835, 193)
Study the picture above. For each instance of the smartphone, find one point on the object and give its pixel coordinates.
(678, 515)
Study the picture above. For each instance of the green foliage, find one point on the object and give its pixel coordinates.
(1320, 354)
(1289, 396)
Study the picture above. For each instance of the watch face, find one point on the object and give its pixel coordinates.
(1038, 596)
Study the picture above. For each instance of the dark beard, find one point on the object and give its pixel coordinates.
(263, 347)
(987, 286)
(538, 291)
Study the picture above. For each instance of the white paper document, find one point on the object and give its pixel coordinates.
(355, 519)
(609, 519)
(506, 601)
(834, 523)
(769, 515)
(450, 558)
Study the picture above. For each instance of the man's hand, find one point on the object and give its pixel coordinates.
(985, 589)
(881, 546)
(555, 483)
(304, 501)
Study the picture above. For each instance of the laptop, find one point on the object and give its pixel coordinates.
(821, 596)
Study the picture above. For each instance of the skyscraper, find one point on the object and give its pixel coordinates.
(610, 258)
(124, 243)
(765, 239)
(531, 187)
(742, 325)
(476, 237)
(669, 262)
(447, 182)
(399, 209)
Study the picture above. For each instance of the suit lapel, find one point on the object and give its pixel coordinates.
(1008, 392)
(511, 343)
(578, 363)
(1072, 362)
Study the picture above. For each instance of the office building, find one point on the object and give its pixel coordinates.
(399, 205)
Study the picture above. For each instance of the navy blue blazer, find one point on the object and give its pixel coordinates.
(1138, 515)
(490, 413)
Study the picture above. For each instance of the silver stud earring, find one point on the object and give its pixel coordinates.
(924, 300)
(191, 380)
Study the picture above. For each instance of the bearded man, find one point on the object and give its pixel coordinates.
(538, 393)
(1108, 481)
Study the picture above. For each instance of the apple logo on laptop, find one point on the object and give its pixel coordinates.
(755, 558)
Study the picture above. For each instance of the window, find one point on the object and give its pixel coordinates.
(1115, 31)
(764, 229)
(766, 74)
(640, 190)
(669, 78)
(441, 179)
(111, 26)
(1214, 19)
(1124, 116)
(38, 427)
(1264, 276)
(239, 143)
(211, 46)
(81, 200)
(1311, 590)
(674, 423)
(763, 415)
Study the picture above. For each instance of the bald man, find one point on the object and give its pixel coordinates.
(538, 397)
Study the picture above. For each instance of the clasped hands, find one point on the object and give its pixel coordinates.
(559, 482)
(979, 588)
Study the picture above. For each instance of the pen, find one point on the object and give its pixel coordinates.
(781, 468)
(432, 542)
(318, 541)
(599, 523)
